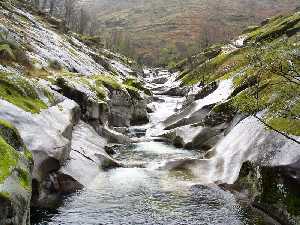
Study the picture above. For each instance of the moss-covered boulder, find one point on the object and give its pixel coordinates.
(106, 98)
(15, 177)
(275, 190)
(20, 92)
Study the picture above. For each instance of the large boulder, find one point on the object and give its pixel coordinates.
(127, 109)
(273, 190)
(93, 109)
(48, 136)
(120, 107)
(194, 136)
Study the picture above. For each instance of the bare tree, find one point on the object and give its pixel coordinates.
(83, 21)
(52, 6)
(70, 9)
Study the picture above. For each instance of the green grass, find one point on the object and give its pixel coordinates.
(219, 66)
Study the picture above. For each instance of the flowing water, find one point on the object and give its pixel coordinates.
(149, 195)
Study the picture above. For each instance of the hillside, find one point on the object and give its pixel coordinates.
(258, 123)
(157, 30)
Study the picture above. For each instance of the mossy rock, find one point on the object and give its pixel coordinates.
(108, 81)
(275, 28)
(11, 135)
(12, 150)
(136, 85)
(8, 161)
(279, 195)
(18, 91)
(15, 177)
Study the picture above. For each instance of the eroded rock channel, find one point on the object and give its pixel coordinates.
(155, 187)
(89, 137)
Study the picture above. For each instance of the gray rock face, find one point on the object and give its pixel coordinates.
(274, 190)
(91, 109)
(177, 91)
(248, 140)
(139, 112)
(88, 155)
(160, 80)
(120, 107)
(198, 109)
(126, 110)
(112, 136)
(194, 137)
(67, 153)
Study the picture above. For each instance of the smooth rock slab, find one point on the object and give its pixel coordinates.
(88, 155)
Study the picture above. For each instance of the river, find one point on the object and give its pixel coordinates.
(149, 195)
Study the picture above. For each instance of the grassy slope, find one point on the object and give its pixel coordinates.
(155, 24)
(268, 54)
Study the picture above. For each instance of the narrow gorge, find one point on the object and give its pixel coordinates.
(89, 136)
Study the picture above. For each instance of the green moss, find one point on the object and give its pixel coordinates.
(8, 159)
(28, 155)
(134, 92)
(6, 51)
(13, 152)
(246, 101)
(5, 195)
(251, 29)
(24, 178)
(108, 81)
(96, 86)
(224, 107)
(275, 28)
(223, 65)
(11, 135)
(290, 126)
(101, 93)
(136, 85)
(19, 92)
